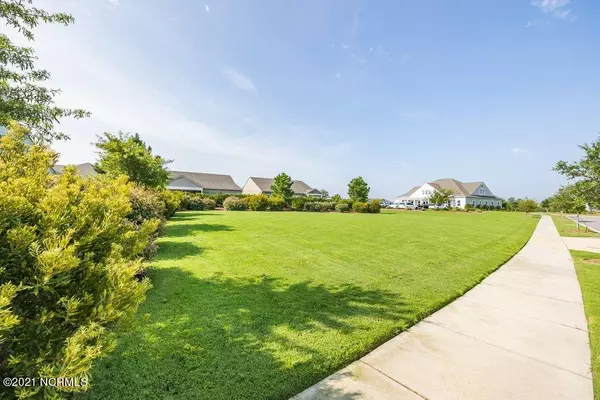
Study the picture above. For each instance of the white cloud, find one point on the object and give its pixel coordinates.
(558, 8)
(548, 6)
(199, 131)
(519, 150)
(207, 9)
(238, 79)
(115, 2)
(562, 14)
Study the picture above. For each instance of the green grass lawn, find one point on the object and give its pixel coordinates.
(589, 280)
(567, 227)
(258, 305)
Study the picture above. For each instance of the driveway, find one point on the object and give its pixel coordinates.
(520, 334)
(591, 221)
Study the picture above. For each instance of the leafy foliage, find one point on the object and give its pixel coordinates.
(341, 207)
(567, 199)
(258, 202)
(324, 193)
(336, 198)
(282, 187)
(375, 206)
(276, 203)
(299, 202)
(209, 204)
(358, 190)
(527, 205)
(587, 173)
(69, 261)
(233, 203)
(127, 154)
(173, 201)
(441, 196)
(360, 206)
(23, 95)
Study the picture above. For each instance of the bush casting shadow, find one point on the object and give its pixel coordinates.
(223, 338)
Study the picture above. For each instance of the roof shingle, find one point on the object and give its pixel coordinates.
(208, 181)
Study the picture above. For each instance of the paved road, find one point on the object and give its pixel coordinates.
(591, 221)
(520, 334)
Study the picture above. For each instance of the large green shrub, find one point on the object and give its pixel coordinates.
(172, 201)
(276, 203)
(147, 204)
(342, 207)
(258, 202)
(209, 204)
(68, 264)
(310, 206)
(360, 206)
(298, 203)
(194, 201)
(234, 204)
(219, 198)
(375, 206)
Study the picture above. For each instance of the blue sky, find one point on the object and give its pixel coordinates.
(399, 92)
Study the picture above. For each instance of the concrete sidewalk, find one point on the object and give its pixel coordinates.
(520, 334)
(583, 243)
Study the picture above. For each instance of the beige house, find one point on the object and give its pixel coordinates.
(473, 193)
(203, 183)
(85, 170)
(256, 185)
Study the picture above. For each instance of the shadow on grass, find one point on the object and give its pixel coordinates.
(171, 250)
(187, 215)
(224, 338)
(189, 229)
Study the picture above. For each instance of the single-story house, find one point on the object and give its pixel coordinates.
(474, 193)
(203, 183)
(256, 185)
(85, 170)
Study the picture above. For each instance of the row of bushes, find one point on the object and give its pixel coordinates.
(261, 202)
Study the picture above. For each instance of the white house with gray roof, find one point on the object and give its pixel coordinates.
(203, 183)
(474, 193)
(256, 185)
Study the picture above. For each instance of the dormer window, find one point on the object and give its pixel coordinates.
(481, 191)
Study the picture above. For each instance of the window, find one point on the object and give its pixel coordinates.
(479, 202)
(458, 203)
(485, 203)
(481, 191)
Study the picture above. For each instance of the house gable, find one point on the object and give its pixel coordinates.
(183, 183)
(251, 187)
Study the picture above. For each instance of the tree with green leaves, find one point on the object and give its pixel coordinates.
(587, 173)
(511, 204)
(127, 154)
(336, 198)
(282, 187)
(527, 205)
(568, 200)
(324, 193)
(441, 196)
(358, 190)
(23, 95)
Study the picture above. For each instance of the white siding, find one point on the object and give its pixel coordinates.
(251, 188)
(183, 184)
